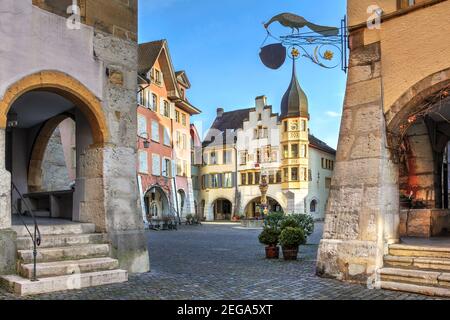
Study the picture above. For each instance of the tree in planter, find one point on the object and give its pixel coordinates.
(290, 239)
(269, 237)
(189, 219)
(273, 220)
(305, 222)
(289, 221)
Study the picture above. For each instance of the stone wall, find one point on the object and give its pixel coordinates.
(117, 17)
(363, 204)
(55, 174)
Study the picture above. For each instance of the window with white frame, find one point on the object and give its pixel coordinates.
(142, 126)
(155, 131)
(303, 151)
(143, 161)
(166, 167)
(166, 137)
(166, 109)
(156, 165)
(140, 96)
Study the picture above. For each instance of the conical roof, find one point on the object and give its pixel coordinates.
(295, 101)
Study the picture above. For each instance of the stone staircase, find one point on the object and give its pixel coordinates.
(417, 269)
(71, 256)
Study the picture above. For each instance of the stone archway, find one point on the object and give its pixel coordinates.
(418, 140)
(222, 209)
(66, 86)
(38, 151)
(157, 203)
(63, 85)
(251, 207)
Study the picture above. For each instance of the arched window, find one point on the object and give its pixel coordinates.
(313, 206)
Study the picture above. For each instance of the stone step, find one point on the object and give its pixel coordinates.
(61, 268)
(424, 263)
(65, 253)
(63, 240)
(56, 229)
(417, 277)
(413, 288)
(419, 251)
(23, 287)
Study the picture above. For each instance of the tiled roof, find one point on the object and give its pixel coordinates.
(148, 53)
(231, 121)
(319, 144)
(228, 124)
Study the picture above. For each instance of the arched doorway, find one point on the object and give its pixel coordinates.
(222, 209)
(419, 134)
(30, 111)
(156, 204)
(252, 209)
(313, 206)
(181, 202)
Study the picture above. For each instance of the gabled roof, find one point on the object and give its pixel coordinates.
(227, 124)
(183, 78)
(148, 53)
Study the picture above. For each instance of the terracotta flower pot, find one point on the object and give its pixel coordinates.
(272, 252)
(290, 253)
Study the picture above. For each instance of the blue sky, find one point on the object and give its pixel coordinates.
(218, 42)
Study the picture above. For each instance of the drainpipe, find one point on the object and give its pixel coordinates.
(236, 189)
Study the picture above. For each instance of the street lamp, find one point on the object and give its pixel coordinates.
(144, 136)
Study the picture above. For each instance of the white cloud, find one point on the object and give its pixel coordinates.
(333, 114)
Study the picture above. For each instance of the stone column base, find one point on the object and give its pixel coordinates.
(349, 260)
(8, 251)
(130, 248)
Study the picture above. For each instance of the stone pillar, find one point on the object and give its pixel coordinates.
(119, 155)
(362, 212)
(7, 235)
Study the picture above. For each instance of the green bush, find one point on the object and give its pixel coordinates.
(289, 221)
(273, 220)
(269, 236)
(189, 217)
(306, 222)
(292, 237)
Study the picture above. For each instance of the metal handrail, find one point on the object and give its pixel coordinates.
(36, 236)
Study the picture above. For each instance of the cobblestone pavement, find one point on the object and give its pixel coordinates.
(223, 262)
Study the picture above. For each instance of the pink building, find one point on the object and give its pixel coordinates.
(164, 112)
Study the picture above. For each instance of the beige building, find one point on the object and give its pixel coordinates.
(243, 145)
(59, 61)
(390, 180)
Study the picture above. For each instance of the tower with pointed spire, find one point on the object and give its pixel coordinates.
(294, 142)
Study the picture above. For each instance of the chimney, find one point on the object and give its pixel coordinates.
(219, 112)
(261, 101)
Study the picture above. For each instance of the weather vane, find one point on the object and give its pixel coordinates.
(324, 40)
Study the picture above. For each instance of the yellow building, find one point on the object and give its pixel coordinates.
(244, 145)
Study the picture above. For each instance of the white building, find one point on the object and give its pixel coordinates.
(243, 145)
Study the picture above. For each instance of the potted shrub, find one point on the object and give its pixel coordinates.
(289, 221)
(269, 237)
(166, 220)
(273, 220)
(305, 222)
(290, 239)
(189, 219)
